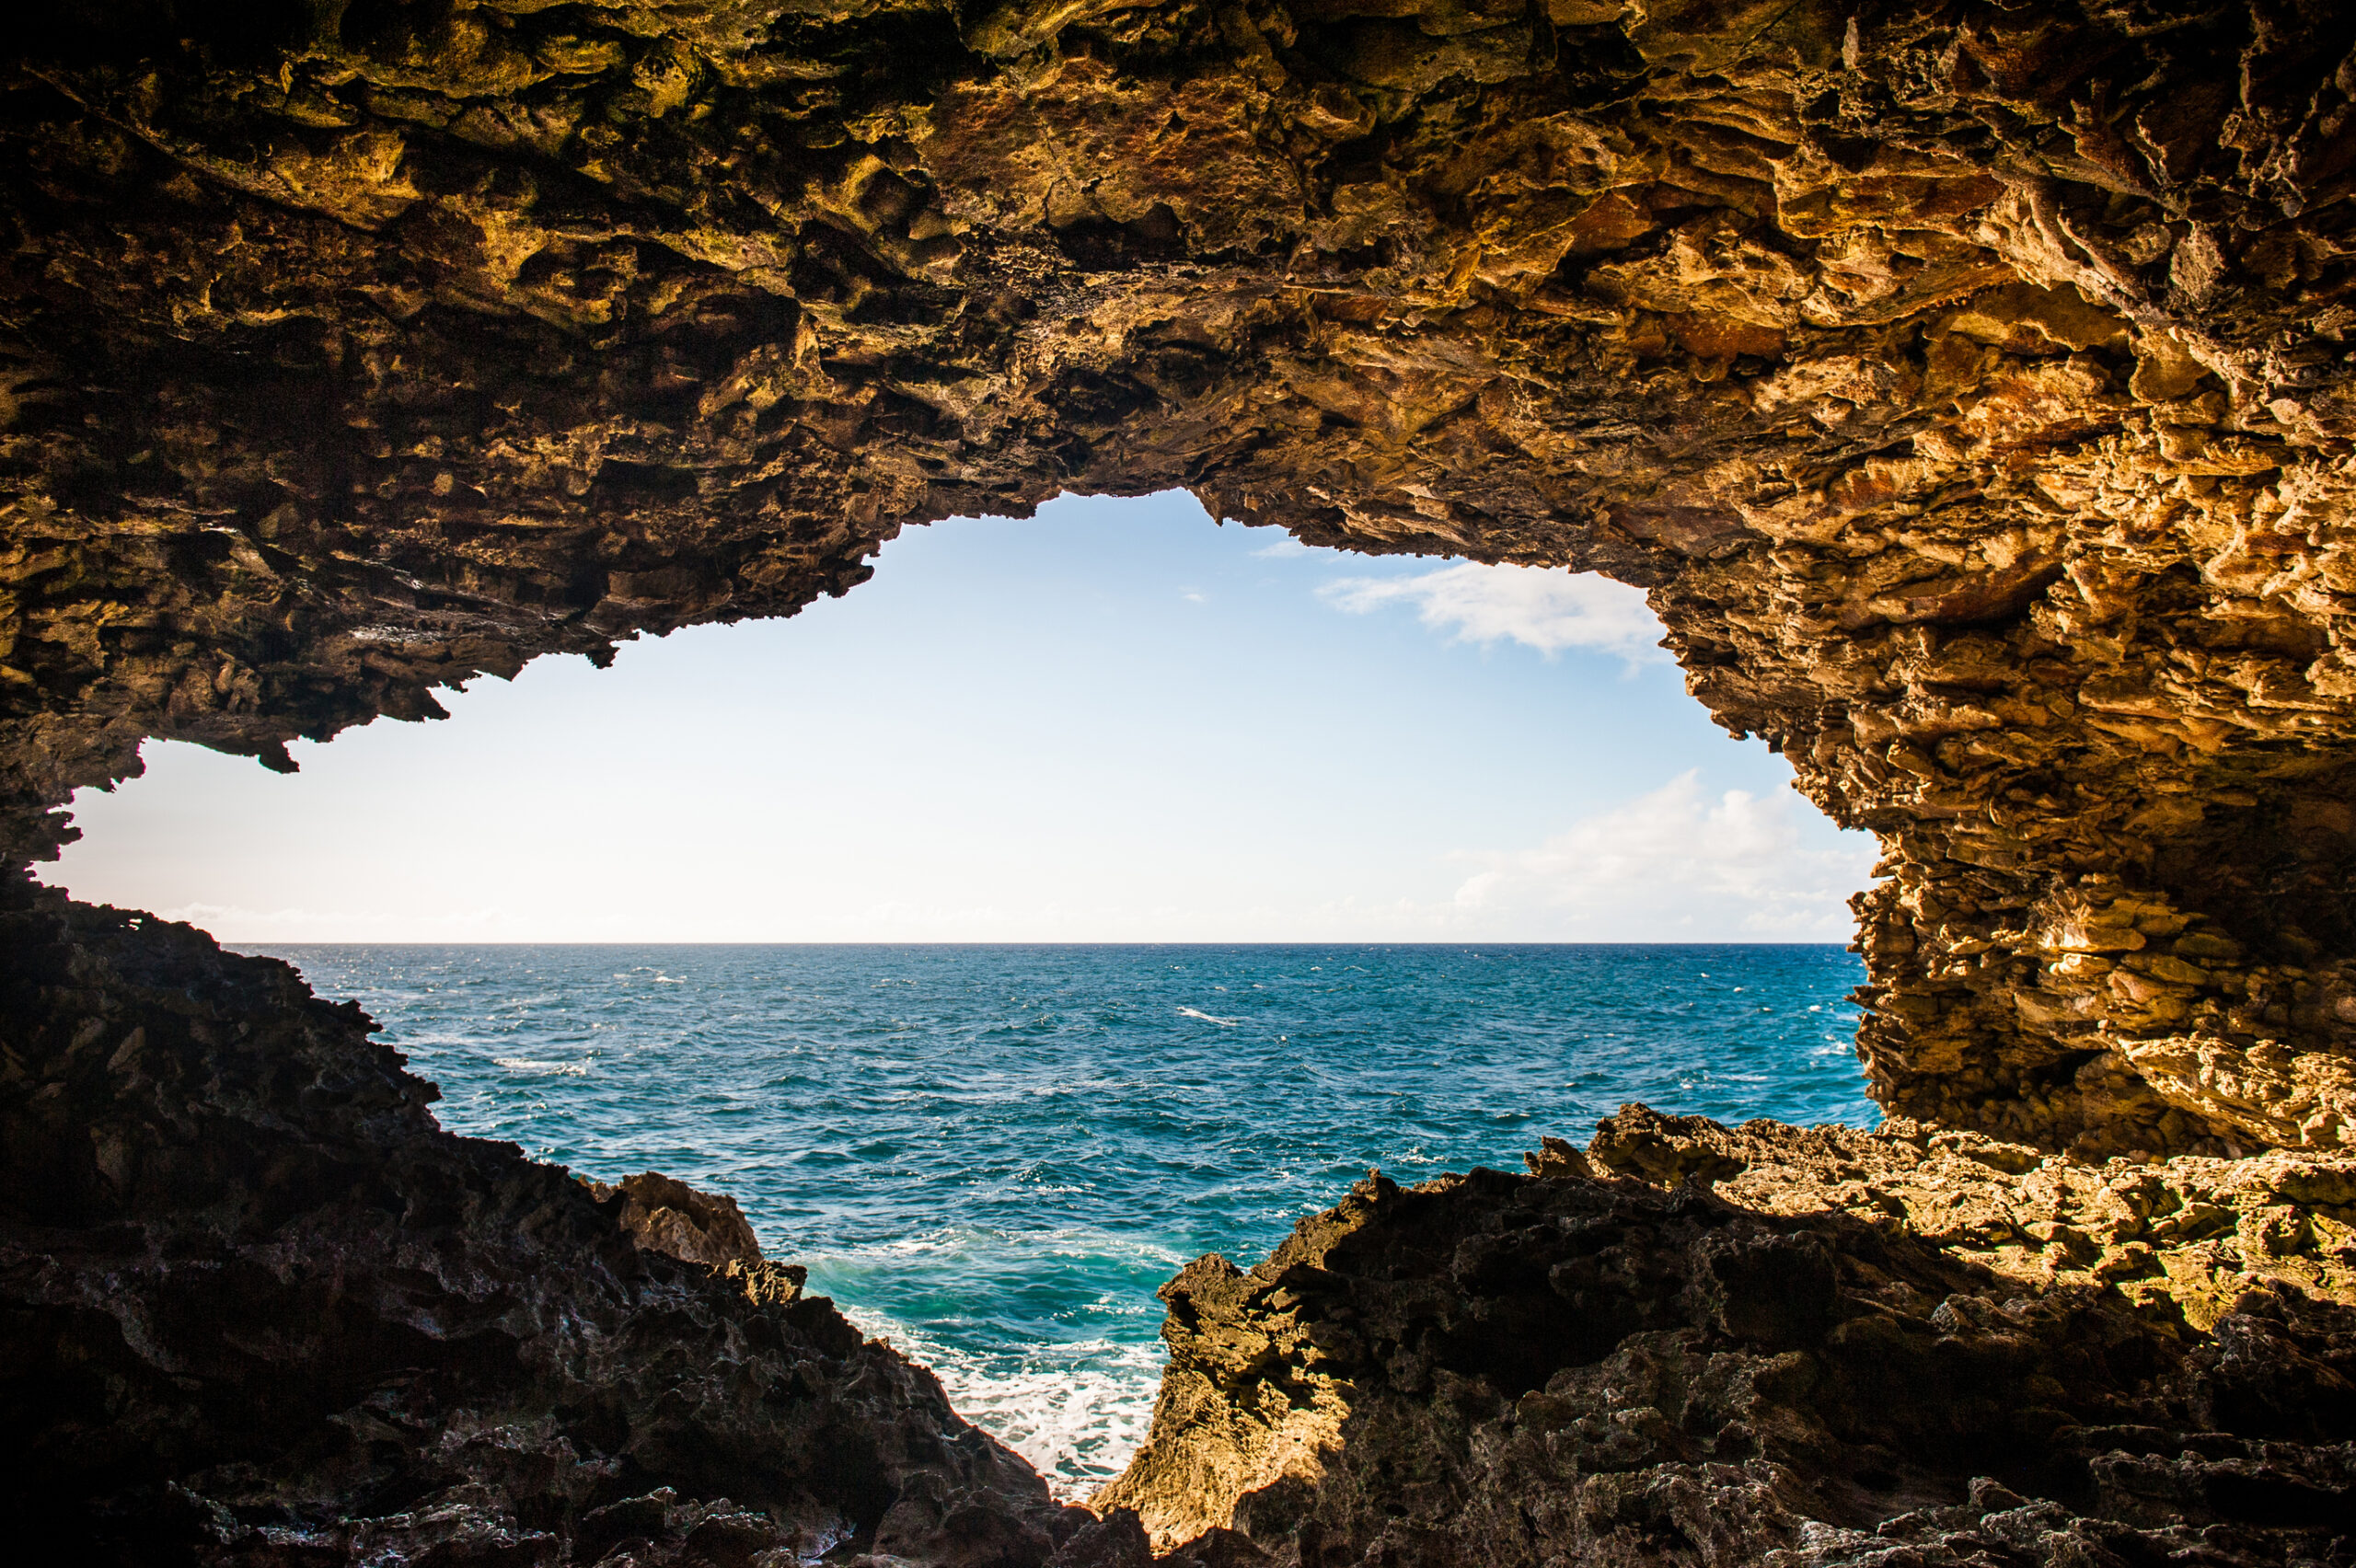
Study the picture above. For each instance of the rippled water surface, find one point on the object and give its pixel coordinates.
(992, 1156)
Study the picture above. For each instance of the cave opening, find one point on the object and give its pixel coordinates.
(1969, 387)
(1084, 893)
(1111, 721)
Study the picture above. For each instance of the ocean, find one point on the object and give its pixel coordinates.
(992, 1156)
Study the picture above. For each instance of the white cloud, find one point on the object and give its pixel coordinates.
(1542, 607)
(1676, 861)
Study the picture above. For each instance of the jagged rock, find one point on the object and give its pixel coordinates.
(1116, 1541)
(1774, 1361)
(666, 1215)
(1970, 384)
(2188, 1236)
(256, 1307)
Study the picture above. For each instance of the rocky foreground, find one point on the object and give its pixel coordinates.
(1697, 1344)
(256, 1307)
(1969, 383)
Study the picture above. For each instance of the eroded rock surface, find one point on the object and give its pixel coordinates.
(2185, 1237)
(666, 1215)
(257, 1308)
(1804, 1367)
(1969, 381)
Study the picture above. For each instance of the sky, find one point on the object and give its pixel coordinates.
(1111, 722)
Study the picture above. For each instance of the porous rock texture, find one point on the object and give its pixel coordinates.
(668, 1216)
(257, 1308)
(1969, 381)
(1857, 1349)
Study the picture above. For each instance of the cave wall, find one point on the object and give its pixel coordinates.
(1968, 383)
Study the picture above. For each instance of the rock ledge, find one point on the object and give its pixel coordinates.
(1813, 1348)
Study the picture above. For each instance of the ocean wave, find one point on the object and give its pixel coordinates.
(1048, 1136)
(1078, 1411)
(994, 1245)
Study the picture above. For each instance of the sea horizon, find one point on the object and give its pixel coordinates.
(962, 943)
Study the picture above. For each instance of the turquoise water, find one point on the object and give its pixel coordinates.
(992, 1156)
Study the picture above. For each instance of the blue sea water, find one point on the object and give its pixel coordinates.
(993, 1154)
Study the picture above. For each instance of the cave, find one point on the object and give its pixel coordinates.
(1967, 382)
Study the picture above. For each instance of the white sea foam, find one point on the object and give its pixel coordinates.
(1077, 1411)
(533, 1064)
(1207, 1018)
(986, 1244)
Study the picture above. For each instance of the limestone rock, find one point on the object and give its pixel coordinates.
(1971, 387)
(2185, 1237)
(1805, 1350)
(667, 1215)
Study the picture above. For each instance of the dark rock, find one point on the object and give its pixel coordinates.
(1970, 384)
(1116, 1541)
(1498, 1370)
(255, 1307)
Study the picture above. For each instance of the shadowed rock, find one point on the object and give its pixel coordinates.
(1499, 1369)
(256, 1307)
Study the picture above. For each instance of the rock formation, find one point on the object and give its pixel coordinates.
(1968, 382)
(664, 1215)
(257, 1308)
(1901, 1347)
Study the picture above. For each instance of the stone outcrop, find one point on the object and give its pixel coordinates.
(1968, 383)
(665, 1214)
(1814, 1348)
(257, 1308)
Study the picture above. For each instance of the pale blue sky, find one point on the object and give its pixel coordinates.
(1114, 721)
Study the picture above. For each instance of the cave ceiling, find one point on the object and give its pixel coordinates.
(1969, 383)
